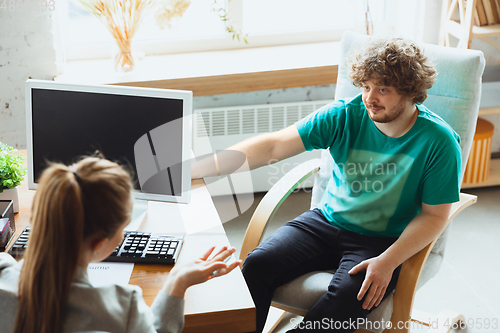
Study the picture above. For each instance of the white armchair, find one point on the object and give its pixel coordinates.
(455, 97)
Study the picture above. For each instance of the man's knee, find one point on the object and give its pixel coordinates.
(255, 263)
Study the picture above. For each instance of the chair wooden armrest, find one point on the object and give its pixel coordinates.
(272, 201)
(412, 268)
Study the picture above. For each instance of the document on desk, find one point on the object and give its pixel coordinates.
(106, 273)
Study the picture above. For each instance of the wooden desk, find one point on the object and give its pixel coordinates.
(220, 305)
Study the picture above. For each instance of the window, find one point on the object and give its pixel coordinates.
(263, 22)
(86, 37)
(272, 16)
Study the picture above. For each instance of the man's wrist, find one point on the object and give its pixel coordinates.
(388, 259)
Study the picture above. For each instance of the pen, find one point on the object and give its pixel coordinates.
(215, 273)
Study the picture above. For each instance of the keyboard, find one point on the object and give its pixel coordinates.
(137, 247)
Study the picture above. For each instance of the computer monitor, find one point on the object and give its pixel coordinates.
(147, 129)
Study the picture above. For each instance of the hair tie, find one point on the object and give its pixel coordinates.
(77, 177)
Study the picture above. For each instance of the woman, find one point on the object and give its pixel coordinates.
(78, 217)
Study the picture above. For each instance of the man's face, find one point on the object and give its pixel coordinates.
(383, 103)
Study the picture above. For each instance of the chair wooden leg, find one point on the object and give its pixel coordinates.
(445, 321)
(274, 317)
(362, 330)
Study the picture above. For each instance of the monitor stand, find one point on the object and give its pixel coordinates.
(138, 214)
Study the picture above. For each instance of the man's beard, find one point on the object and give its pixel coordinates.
(389, 116)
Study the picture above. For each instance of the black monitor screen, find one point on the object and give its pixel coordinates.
(69, 124)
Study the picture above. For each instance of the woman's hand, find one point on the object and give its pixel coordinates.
(184, 275)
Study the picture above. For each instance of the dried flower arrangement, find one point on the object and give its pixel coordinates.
(168, 10)
(123, 17)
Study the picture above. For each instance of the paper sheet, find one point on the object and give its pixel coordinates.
(106, 273)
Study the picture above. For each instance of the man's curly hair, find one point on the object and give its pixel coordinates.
(393, 62)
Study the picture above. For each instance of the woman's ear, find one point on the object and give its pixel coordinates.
(97, 244)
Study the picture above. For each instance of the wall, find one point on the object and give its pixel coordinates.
(26, 51)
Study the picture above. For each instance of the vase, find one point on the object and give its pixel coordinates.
(123, 59)
(11, 194)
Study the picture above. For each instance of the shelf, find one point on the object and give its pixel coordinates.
(219, 72)
(493, 178)
(483, 112)
(463, 28)
(455, 29)
(245, 82)
(486, 30)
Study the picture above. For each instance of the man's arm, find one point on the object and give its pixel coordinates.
(259, 151)
(421, 231)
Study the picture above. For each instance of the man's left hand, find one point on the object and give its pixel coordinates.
(378, 276)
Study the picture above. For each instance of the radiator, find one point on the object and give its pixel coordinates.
(219, 128)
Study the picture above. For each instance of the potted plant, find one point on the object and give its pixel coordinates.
(12, 172)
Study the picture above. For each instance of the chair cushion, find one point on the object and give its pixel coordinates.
(305, 290)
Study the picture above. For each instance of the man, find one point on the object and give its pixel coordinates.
(396, 173)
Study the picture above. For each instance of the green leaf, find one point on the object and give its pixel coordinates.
(12, 171)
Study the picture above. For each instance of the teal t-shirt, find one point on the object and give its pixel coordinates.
(378, 183)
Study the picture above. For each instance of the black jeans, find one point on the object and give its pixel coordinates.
(309, 243)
